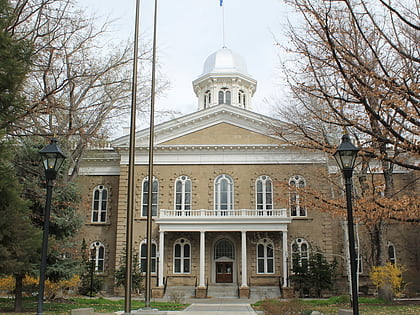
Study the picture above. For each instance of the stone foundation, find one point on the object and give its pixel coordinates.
(244, 292)
(287, 293)
(200, 292)
(157, 292)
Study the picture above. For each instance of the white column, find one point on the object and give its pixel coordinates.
(285, 255)
(161, 256)
(244, 261)
(202, 258)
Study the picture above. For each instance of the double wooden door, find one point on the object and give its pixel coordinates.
(224, 272)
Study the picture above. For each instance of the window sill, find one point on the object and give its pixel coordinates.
(99, 223)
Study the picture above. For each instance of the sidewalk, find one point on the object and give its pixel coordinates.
(216, 309)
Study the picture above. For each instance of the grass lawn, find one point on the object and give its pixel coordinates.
(332, 305)
(99, 304)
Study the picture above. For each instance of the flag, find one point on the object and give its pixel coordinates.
(221, 3)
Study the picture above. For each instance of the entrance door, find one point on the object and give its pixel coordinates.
(224, 272)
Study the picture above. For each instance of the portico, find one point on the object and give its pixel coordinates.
(227, 264)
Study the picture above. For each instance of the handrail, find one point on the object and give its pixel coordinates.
(195, 287)
(165, 283)
(207, 286)
(282, 213)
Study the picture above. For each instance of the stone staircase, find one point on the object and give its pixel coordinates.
(225, 290)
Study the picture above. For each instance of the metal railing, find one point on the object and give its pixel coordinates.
(170, 213)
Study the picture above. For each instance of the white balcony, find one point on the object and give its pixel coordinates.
(223, 220)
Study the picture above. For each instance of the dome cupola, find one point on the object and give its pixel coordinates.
(224, 80)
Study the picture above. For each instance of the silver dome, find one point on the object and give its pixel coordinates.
(224, 61)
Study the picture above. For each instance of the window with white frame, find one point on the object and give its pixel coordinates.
(145, 196)
(296, 184)
(392, 257)
(225, 96)
(99, 204)
(97, 255)
(359, 261)
(265, 256)
(182, 256)
(223, 193)
(224, 248)
(241, 98)
(143, 256)
(264, 195)
(207, 99)
(300, 255)
(183, 195)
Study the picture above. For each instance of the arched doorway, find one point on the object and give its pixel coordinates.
(224, 261)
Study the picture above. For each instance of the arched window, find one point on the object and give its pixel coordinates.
(182, 256)
(300, 255)
(99, 204)
(183, 195)
(97, 255)
(145, 196)
(296, 184)
(143, 256)
(225, 96)
(228, 98)
(392, 257)
(241, 98)
(207, 99)
(223, 193)
(265, 256)
(264, 194)
(224, 249)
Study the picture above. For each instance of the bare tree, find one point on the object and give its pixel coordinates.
(79, 86)
(357, 68)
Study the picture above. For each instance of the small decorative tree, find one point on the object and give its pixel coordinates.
(315, 276)
(389, 276)
(137, 274)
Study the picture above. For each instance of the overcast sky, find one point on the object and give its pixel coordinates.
(190, 30)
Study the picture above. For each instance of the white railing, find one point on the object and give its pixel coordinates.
(165, 213)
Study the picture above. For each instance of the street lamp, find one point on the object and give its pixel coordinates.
(346, 157)
(52, 158)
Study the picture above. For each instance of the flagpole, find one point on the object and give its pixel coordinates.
(223, 23)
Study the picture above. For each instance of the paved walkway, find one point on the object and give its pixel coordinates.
(216, 309)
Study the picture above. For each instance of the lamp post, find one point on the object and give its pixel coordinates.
(52, 158)
(346, 157)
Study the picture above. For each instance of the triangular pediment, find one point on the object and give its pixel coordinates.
(221, 124)
(222, 134)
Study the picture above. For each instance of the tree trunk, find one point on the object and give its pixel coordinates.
(18, 292)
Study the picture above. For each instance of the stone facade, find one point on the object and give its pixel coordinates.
(234, 223)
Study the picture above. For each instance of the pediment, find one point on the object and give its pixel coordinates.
(217, 125)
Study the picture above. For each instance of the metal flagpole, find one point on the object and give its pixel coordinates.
(131, 162)
(150, 175)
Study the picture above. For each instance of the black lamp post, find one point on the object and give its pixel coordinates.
(346, 157)
(52, 158)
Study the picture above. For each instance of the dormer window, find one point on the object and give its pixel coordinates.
(225, 96)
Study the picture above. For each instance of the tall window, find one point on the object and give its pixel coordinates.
(241, 98)
(223, 191)
(182, 256)
(264, 194)
(183, 195)
(225, 96)
(300, 254)
(207, 99)
(97, 254)
(224, 249)
(99, 204)
(392, 257)
(143, 256)
(297, 209)
(145, 196)
(265, 256)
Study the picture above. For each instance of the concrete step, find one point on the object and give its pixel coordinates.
(174, 293)
(227, 290)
